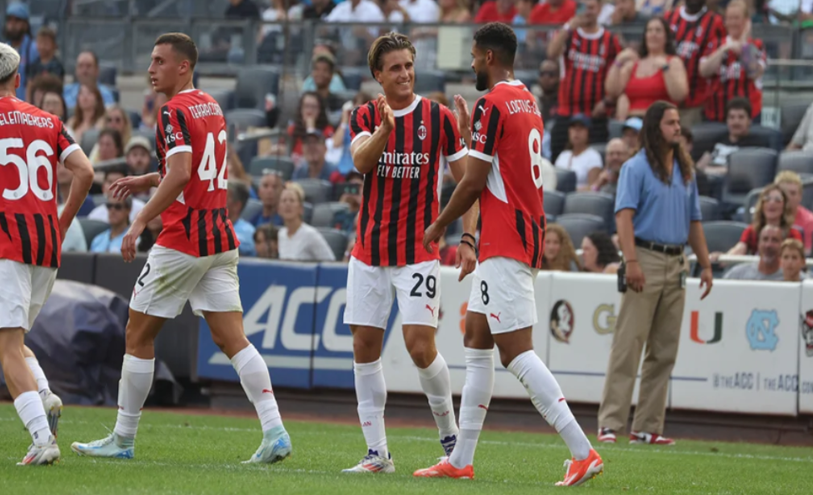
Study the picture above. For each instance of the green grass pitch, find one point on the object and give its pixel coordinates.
(192, 454)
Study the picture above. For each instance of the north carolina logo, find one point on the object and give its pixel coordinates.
(422, 132)
(562, 321)
(761, 330)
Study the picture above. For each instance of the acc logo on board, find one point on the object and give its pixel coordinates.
(562, 321)
(604, 319)
(807, 332)
(761, 330)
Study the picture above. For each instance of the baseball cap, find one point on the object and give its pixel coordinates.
(138, 142)
(579, 118)
(18, 10)
(634, 123)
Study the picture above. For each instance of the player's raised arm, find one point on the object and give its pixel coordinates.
(458, 133)
(79, 165)
(368, 144)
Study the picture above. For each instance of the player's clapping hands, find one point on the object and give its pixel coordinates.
(462, 114)
(387, 117)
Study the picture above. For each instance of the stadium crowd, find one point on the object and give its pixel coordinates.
(296, 196)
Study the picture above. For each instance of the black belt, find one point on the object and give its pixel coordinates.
(668, 249)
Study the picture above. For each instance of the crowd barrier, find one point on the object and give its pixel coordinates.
(747, 348)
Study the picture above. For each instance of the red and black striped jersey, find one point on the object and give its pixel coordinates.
(400, 197)
(197, 223)
(507, 132)
(584, 64)
(732, 80)
(693, 34)
(31, 144)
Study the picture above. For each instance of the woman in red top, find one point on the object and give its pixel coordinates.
(654, 73)
(772, 209)
(310, 115)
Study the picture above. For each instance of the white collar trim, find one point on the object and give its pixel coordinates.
(591, 36)
(409, 109)
(690, 17)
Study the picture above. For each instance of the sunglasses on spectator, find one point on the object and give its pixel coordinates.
(549, 73)
(115, 206)
(774, 199)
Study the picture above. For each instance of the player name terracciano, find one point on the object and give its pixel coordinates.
(398, 172)
(205, 110)
(518, 106)
(16, 117)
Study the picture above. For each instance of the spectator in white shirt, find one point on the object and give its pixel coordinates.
(297, 240)
(100, 212)
(768, 268)
(357, 11)
(579, 156)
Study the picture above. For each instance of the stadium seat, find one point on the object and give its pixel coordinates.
(116, 94)
(243, 118)
(89, 139)
(709, 209)
(337, 241)
(353, 77)
(579, 225)
(592, 203)
(706, 135)
(316, 190)
(135, 120)
(748, 169)
(554, 203)
(723, 235)
(323, 213)
(807, 193)
(750, 205)
(253, 208)
(107, 75)
(99, 199)
(800, 162)
(615, 128)
(224, 97)
(253, 83)
(565, 180)
(429, 81)
(766, 137)
(260, 164)
(92, 228)
(528, 77)
(790, 117)
(307, 212)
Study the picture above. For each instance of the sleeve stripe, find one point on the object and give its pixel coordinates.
(457, 156)
(359, 135)
(354, 125)
(164, 124)
(184, 129)
(491, 134)
(449, 131)
(184, 148)
(481, 156)
(70, 149)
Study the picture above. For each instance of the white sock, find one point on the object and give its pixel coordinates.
(437, 386)
(39, 375)
(371, 393)
(134, 387)
(32, 413)
(256, 381)
(473, 404)
(548, 399)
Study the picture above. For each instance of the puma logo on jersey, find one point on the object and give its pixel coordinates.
(431, 309)
(497, 316)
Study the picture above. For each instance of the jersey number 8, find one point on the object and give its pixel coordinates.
(535, 151)
(28, 168)
(207, 169)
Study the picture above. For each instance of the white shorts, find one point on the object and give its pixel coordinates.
(23, 291)
(170, 278)
(503, 290)
(369, 293)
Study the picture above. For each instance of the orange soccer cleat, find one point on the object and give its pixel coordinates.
(580, 471)
(444, 469)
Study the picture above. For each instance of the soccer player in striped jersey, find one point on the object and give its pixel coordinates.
(696, 28)
(194, 258)
(397, 143)
(32, 142)
(504, 170)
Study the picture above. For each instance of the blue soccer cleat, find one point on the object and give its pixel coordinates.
(112, 446)
(276, 446)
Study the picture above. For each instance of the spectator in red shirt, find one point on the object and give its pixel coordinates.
(553, 12)
(791, 184)
(496, 11)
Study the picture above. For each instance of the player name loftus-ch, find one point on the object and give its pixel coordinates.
(16, 118)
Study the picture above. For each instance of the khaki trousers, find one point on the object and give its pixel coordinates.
(652, 317)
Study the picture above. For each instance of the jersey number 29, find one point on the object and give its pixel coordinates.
(207, 169)
(535, 151)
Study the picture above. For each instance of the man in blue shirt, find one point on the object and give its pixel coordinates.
(270, 190)
(17, 33)
(657, 212)
(87, 72)
(237, 199)
(314, 164)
